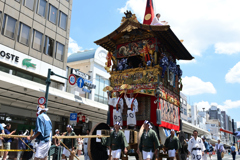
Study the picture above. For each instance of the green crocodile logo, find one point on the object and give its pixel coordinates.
(27, 62)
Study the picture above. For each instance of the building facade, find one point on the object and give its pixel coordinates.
(34, 37)
(183, 103)
(91, 63)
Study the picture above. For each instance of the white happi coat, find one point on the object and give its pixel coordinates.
(117, 115)
(198, 143)
(131, 115)
(156, 22)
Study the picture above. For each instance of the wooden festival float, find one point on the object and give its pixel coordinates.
(143, 58)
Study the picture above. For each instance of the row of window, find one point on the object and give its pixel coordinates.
(51, 14)
(27, 76)
(101, 96)
(23, 36)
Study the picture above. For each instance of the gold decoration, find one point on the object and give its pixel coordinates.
(133, 18)
(129, 28)
(148, 16)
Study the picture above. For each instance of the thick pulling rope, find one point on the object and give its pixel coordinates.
(27, 145)
(67, 147)
(61, 137)
(14, 150)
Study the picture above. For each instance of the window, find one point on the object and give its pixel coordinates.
(41, 7)
(101, 96)
(48, 46)
(22, 75)
(9, 25)
(62, 20)
(37, 40)
(59, 51)
(185, 111)
(23, 34)
(28, 3)
(17, 0)
(52, 15)
(4, 69)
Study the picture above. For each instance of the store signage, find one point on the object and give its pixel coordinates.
(23, 61)
(89, 84)
(12, 57)
(80, 74)
(27, 62)
(73, 118)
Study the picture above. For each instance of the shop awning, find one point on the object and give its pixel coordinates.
(22, 93)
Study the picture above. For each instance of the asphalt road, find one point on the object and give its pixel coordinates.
(214, 157)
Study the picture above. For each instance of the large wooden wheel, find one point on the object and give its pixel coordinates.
(96, 150)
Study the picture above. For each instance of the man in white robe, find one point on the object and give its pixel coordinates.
(196, 147)
(132, 105)
(117, 114)
(156, 22)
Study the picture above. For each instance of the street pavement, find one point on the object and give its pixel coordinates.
(214, 157)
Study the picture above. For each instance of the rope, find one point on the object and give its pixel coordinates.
(67, 147)
(14, 150)
(61, 137)
(27, 145)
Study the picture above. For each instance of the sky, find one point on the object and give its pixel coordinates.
(211, 33)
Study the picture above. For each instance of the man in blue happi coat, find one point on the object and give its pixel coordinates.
(206, 144)
(43, 133)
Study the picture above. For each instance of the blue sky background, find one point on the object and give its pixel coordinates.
(211, 33)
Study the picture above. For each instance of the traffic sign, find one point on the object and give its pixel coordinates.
(72, 79)
(41, 101)
(80, 82)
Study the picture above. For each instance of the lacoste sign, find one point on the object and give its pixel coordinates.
(27, 62)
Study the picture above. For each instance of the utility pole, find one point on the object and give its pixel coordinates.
(48, 82)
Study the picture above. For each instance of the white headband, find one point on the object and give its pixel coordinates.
(39, 109)
(147, 122)
(118, 123)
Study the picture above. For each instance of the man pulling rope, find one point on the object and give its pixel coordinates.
(43, 133)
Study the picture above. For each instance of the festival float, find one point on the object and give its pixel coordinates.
(142, 59)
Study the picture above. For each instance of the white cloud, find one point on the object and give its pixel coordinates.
(195, 86)
(201, 24)
(227, 48)
(187, 61)
(228, 104)
(73, 47)
(202, 104)
(233, 75)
